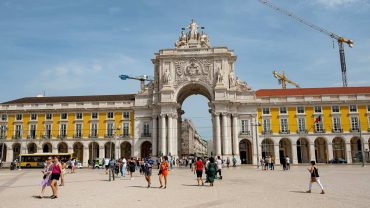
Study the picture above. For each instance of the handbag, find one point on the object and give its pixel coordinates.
(160, 172)
(313, 179)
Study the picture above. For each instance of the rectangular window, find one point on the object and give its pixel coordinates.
(266, 125)
(300, 109)
(63, 116)
(335, 109)
(283, 110)
(78, 130)
(368, 108)
(48, 116)
(244, 128)
(110, 127)
(79, 116)
(94, 130)
(4, 117)
(319, 126)
(94, 115)
(47, 131)
(146, 129)
(284, 125)
(317, 109)
(63, 130)
(126, 114)
(19, 117)
(32, 131)
(337, 124)
(354, 124)
(110, 115)
(3, 129)
(18, 131)
(125, 129)
(33, 117)
(301, 124)
(353, 108)
(266, 111)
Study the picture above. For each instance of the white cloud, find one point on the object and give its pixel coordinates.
(335, 3)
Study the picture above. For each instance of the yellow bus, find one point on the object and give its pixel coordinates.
(37, 160)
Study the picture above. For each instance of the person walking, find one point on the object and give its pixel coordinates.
(106, 165)
(148, 166)
(55, 175)
(46, 176)
(228, 162)
(219, 167)
(206, 170)
(314, 172)
(262, 162)
(131, 167)
(163, 172)
(234, 161)
(123, 167)
(283, 162)
(273, 163)
(287, 159)
(211, 171)
(64, 171)
(199, 170)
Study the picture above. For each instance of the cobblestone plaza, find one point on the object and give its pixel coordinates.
(346, 186)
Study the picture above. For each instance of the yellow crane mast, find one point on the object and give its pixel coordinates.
(283, 79)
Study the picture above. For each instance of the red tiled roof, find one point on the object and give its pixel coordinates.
(67, 99)
(313, 91)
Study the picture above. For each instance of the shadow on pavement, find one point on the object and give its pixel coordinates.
(300, 192)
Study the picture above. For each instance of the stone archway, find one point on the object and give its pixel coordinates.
(3, 150)
(125, 150)
(78, 151)
(93, 151)
(245, 151)
(47, 148)
(146, 149)
(321, 150)
(31, 148)
(339, 148)
(356, 150)
(62, 147)
(303, 150)
(285, 149)
(109, 150)
(16, 150)
(267, 147)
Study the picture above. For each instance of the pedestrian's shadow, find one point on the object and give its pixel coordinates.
(146, 187)
(44, 197)
(300, 192)
(191, 185)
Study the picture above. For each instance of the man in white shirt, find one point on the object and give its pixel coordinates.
(287, 163)
(106, 164)
(123, 167)
(219, 166)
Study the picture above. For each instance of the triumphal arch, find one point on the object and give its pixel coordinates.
(193, 67)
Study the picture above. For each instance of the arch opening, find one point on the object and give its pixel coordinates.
(62, 147)
(267, 147)
(3, 150)
(93, 151)
(356, 150)
(303, 150)
(146, 149)
(16, 150)
(245, 151)
(321, 150)
(285, 149)
(47, 148)
(126, 150)
(109, 148)
(78, 151)
(31, 148)
(339, 149)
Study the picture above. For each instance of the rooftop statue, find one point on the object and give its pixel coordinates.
(193, 39)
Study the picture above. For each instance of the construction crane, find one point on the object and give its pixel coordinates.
(283, 79)
(339, 39)
(141, 78)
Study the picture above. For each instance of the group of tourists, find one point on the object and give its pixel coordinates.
(267, 163)
(52, 172)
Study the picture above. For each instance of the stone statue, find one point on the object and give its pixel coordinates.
(220, 78)
(193, 27)
(242, 85)
(181, 41)
(231, 79)
(167, 77)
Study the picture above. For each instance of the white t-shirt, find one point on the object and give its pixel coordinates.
(106, 161)
(219, 164)
(287, 160)
(124, 162)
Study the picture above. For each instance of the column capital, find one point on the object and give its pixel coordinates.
(235, 115)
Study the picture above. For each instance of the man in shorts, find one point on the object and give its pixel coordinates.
(148, 166)
(106, 165)
(198, 169)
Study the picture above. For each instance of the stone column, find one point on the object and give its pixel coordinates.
(277, 154)
(85, 157)
(217, 139)
(9, 153)
(154, 136)
(330, 151)
(101, 151)
(175, 136)
(170, 135)
(348, 153)
(312, 151)
(163, 135)
(225, 136)
(294, 159)
(235, 135)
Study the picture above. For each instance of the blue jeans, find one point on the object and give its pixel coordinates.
(123, 171)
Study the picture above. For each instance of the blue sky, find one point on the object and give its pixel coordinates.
(74, 47)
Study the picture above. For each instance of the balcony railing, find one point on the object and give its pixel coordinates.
(337, 130)
(31, 136)
(267, 132)
(46, 136)
(77, 136)
(108, 136)
(354, 130)
(62, 136)
(93, 135)
(241, 133)
(284, 132)
(302, 131)
(125, 135)
(320, 131)
(146, 134)
(16, 136)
